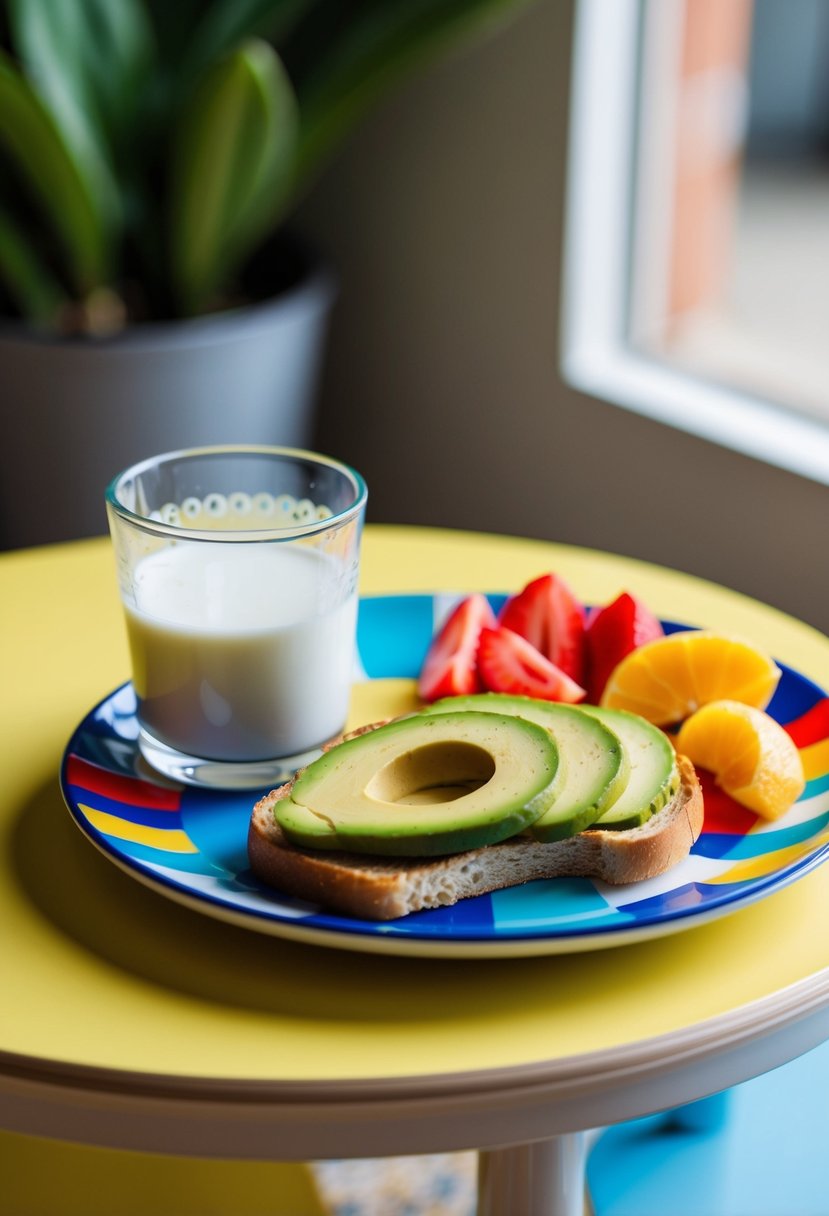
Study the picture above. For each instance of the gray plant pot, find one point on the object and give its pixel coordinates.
(76, 412)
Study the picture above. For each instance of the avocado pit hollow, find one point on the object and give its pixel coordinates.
(434, 773)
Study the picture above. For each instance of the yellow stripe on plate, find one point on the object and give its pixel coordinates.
(815, 759)
(758, 867)
(171, 840)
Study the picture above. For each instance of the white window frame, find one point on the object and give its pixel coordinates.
(596, 356)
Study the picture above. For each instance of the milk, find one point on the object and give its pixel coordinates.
(242, 652)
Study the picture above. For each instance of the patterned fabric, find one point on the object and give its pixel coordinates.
(439, 1185)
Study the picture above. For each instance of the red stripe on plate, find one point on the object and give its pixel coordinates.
(812, 726)
(722, 813)
(131, 790)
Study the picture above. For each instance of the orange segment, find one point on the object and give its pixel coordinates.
(751, 756)
(669, 678)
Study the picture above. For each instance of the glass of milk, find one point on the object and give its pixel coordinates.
(238, 568)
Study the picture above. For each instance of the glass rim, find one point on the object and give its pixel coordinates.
(247, 535)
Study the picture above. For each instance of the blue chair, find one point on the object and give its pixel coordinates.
(760, 1149)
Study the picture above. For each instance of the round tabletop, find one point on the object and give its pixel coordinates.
(129, 1019)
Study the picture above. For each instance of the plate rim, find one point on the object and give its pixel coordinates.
(375, 937)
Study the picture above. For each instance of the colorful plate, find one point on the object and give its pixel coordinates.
(190, 844)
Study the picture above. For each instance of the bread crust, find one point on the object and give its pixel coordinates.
(374, 888)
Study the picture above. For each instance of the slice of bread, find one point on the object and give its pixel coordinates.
(375, 888)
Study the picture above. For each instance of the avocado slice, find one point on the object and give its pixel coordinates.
(594, 762)
(424, 786)
(654, 777)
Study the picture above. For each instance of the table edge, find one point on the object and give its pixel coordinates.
(586, 1071)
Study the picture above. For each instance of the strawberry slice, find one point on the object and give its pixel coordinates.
(550, 617)
(449, 669)
(613, 632)
(509, 663)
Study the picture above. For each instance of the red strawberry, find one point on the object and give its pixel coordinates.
(449, 668)
(613, 632)
(509, 663)
(550, 617)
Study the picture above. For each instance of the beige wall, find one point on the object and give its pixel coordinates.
(445, 216)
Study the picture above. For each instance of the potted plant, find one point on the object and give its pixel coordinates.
(151, 155)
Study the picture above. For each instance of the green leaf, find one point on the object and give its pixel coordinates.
(28, 281)
(118, 59)
(382, 43)
(227, 22)
(76, 195)
(233, 159)
(88, 60)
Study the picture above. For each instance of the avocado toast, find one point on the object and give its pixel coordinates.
(473, 795)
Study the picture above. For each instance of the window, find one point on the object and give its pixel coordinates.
(698, 220)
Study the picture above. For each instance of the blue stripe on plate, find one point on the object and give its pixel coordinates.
(818, 785)
(757, 844)
(688, 897)
(143, 815)
(794, 695)
(691, 897)
(538, 906)
(469, 918)
(217, 824)
(116, 755)
(184, 863)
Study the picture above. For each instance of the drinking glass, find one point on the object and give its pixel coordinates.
(238, 569)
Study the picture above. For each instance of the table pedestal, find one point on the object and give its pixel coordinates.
(542, 1179)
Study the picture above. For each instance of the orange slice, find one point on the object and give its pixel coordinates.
(669, 678)
(751, 756)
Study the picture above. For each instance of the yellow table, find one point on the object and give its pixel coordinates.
(129, 1021)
